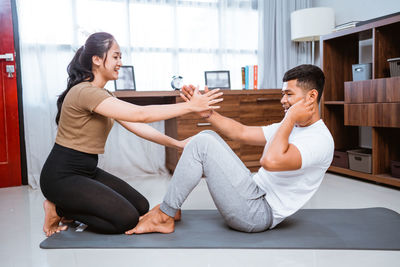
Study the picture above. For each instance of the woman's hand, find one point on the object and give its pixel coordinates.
(187, 93)
(202, 102)
(181, 144)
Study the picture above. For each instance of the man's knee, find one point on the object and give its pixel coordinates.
(205, 136)
(210, 132)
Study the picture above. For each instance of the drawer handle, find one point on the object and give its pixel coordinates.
(358, 158)
(202, 124)
(264, 99)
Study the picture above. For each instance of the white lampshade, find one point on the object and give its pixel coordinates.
(310, 23)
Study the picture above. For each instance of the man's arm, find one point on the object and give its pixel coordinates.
(251, 135)
(279, 154)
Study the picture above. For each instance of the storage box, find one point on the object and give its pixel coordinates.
(395, 168)
(394, 64)
(360, 160)
(362, 72)
(340, 159)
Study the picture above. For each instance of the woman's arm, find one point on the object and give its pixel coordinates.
(149, 133)
(120, 110)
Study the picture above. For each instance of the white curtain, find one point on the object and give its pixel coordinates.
(159, 38)
(276, 52)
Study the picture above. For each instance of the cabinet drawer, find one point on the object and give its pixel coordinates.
(229, 108)
(375, 115)
(373, 91)
(263, 106)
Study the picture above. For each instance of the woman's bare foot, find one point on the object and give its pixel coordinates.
(51, 219)
(66, 221)
(155, 221)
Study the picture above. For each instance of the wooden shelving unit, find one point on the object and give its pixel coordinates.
(346, 105)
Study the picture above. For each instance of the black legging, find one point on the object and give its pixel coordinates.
(81, 191)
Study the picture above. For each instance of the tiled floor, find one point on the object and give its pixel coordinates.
(21, 218)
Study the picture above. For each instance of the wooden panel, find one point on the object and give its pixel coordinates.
(380, 152)
(385, 147)
(251, 153)
(376, 115)
(385, 90)
(260, 107)
(380, 178)
(339, 55)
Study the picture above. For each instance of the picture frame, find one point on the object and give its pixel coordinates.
(218, 79)
(126, 79)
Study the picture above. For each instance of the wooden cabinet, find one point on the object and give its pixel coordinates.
(348, 104)
(373, 103)
(250, 107)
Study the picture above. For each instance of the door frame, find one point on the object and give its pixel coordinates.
(24, 172)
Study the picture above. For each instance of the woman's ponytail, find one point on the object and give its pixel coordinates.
(80, 67)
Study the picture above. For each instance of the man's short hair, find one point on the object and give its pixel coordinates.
(308, 77)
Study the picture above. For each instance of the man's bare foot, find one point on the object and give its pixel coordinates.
(178, 216)
(155, 221)
(51, 219)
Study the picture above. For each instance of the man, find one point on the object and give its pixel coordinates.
(297, 153)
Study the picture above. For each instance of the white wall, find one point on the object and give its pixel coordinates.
(359, 10)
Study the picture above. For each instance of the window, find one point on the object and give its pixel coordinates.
(159, 38)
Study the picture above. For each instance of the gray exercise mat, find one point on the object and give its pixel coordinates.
(370, 228)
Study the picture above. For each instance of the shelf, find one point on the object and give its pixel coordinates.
(334, 103)
(374, 102)
(379, 178)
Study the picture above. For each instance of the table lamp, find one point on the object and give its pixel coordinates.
(310, 23)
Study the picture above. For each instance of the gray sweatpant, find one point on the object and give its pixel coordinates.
(238, 198)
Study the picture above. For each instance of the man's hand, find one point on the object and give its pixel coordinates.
(301, 112)
(187, 93)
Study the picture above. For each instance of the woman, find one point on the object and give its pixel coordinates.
(71, 182)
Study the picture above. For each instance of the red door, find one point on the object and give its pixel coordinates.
(10, 163)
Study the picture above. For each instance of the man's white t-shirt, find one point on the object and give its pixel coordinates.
(288, 191)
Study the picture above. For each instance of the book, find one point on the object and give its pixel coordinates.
(255, 87)
(246, 71)
(243, 78)
(251, 77)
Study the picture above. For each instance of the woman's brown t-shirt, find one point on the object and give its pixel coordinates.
(79, 127)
